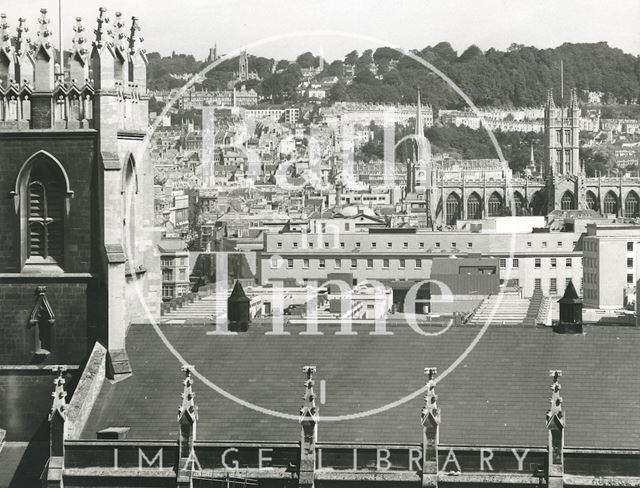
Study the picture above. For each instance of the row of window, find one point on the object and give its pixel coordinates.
(553, 263)
(405, 245)
(167, 275)
(591, 294)
(337, 263)
(590, 262)
(173, 262)
(553, 284)
(172, 291)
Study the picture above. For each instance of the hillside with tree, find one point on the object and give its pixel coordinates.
(519, 76)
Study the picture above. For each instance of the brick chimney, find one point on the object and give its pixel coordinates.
(570, 312)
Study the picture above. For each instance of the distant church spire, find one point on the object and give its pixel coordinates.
(419, 131)
(532, 160)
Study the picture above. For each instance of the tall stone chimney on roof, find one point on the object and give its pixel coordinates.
(570, 312)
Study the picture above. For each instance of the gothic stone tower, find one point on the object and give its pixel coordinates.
(243, 66)
(420, 170)
(77, 250)
(562, 170)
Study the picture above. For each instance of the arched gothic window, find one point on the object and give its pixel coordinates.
(632, 205)
(567, 202)
(41, 197)
(45, 212)
(610, 203)
(453, 209)
(537, 204)
(129, 191)
(495, 205)
(474, 206)
(518, 202)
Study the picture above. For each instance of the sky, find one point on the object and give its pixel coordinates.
(285, 28)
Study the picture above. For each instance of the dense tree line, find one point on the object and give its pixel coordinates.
(519, 76)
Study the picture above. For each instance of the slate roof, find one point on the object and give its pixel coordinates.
(498, 395)
(21, 463)
(172, 245)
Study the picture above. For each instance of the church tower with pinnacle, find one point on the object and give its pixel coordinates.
(562, 170)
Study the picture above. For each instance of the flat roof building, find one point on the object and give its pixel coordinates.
(544, 261)
(611, 253)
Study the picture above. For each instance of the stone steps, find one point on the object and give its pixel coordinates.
(505, 308)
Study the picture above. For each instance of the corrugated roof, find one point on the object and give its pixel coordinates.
(497, 395)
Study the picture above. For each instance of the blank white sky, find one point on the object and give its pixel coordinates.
(192, 26)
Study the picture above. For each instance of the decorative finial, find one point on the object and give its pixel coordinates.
(134, 38)
(430, 412)
(555, 415)
(309, 411)
(21, 42)
(100, 31)
(59, 395)
(79, 41)
(5, 38)
(550, 101)
(574, 98)
(118, 33)
(43, 30)
(188, 407)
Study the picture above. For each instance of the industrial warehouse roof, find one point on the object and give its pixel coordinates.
(497, 395)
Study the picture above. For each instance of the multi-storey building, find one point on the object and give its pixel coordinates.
(543, 261)
(197, 99)
(611, 253)
(380, 114)
(174, 262)
(288, 115)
